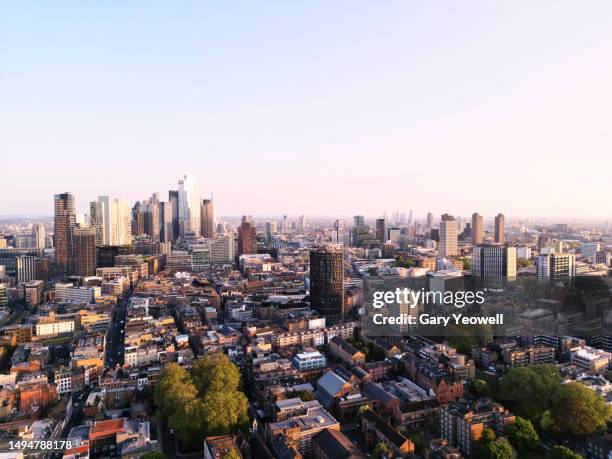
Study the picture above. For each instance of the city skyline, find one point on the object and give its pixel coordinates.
(280, 109)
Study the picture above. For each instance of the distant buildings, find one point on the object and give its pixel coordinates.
(327, 281)
(188, 206)
(500, 229)
(448, 237)
(477, 228)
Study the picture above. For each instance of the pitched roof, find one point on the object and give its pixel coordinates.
(337, 445)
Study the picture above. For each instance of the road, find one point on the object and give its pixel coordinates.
(114, 339)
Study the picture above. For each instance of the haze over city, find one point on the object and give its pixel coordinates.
(320, 109)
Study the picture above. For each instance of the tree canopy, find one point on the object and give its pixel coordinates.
(205, 401)
(499, 448)
(561, 452)
(522, 435)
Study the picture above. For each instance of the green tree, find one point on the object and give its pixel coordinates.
(577, 411)
(480, 387)
(488, 435)
(497, 449)
(204, 402)
(215, 372)
(528, 390)
(380, 451)
(561, 452)
(522, 434)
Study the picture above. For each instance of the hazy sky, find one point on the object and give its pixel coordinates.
(314, 107)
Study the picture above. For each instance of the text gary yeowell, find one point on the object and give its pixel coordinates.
(412, 298)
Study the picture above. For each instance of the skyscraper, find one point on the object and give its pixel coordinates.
(173, 198)
(84, 238)
(327, 281)
(166, 233)
(116, 221)
(26, 268)
(152, 218)
(247, 237)
(207, 213)
(64, 223)
(380, 230)
(500, 229)
(38, 236)
(448, 237)
(430, 220)
(138, 219)
(96, 220)
(477, 228)
(189, 205)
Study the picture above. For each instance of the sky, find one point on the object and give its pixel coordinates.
(321, 108)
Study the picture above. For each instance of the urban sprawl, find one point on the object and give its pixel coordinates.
(159, 329)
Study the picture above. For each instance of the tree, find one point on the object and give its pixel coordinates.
(215, 372)
(561, 452)
(201, 403)
(488, 435)
(528, 390)
(522, 434)
(480, 387)
(577, 411)
(380, 451)
(497, 449)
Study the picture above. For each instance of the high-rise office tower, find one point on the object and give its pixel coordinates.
(38, 236)
(477, 228)
(271, 230)
(430, 220)
(189, 206)
(247, 237)
(84, 238)
(500, 229)
(152, 218)
(493, 261)
(207, 213)
(64, 223)
(381, 230)
(138, 219)
(96, 220)
(327, 281)
(166, 211)
(116, 221)
(301, 223)
(173, 198)
(25, 266)
(448, 237)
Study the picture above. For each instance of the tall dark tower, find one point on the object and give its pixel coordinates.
(247, 237)
(500, 229)
(64, 223)
(207, 215)
(173, 197)
(84, 239)
(327, 281)
(381, 230)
